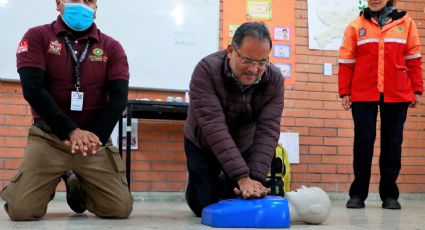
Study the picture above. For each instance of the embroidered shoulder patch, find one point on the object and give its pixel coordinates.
(362, 32)
(22, 47)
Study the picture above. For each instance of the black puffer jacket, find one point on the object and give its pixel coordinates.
(226, 120)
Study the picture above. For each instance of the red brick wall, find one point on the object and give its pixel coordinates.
(312, 108)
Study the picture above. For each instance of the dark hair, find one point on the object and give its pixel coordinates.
(391, 2)
(256, 30)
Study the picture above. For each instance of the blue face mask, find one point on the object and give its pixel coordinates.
(78, 16)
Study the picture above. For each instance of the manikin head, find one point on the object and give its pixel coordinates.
(309, 205)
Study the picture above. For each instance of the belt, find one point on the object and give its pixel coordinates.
(39, 123)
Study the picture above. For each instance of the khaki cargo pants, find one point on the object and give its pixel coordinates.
(46, 158)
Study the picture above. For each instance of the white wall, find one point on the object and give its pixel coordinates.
(163, 39)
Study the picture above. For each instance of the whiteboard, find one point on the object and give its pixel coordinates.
(163, 39)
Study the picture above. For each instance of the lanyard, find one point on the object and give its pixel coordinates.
(77, 60)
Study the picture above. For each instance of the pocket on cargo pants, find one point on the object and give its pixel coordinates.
(9, 191)
(117, 162)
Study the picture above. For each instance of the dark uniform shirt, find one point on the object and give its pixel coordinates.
(44, 47)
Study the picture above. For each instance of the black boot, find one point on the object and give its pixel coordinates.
(391, 203)
(74, 192)
(355, 202)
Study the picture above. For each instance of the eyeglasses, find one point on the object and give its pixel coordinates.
(247, 61)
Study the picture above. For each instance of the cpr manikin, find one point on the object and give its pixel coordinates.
(307, 204)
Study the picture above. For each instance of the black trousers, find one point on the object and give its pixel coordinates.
(207, 183)
(393, 116)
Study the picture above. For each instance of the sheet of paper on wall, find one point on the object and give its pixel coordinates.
(134, 134)
(327, 20)
(291, 143)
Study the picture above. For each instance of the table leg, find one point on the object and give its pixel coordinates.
(128, 145)
(120, 136)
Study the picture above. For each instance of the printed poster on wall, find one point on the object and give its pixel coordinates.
(285, 69)
(134, 134)
(232, 29)
(281, 34)
(259, 9)
(327, 20)
(281, 51)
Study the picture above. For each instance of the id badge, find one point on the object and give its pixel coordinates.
(77, 101)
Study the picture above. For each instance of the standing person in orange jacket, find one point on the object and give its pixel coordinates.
(380, 66)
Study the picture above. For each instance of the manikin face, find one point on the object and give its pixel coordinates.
(249, 61)
(376, 5)
(312, 204)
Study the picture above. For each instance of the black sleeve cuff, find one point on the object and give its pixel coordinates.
(118, 93)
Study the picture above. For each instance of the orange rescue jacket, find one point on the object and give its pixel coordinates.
(374, 60)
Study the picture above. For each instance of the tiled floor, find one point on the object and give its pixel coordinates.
(169, 211)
